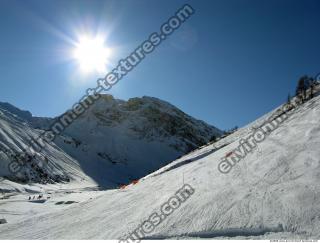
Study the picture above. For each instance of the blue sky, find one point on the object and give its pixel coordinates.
(231, 62)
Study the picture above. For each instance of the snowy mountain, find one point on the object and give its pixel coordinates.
(51, 165)
(23, 115)
(119, 141)
(272, 193)
(114, 142)
(26, 116)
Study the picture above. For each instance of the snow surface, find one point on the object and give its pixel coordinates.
(15, 136)
(273, 193)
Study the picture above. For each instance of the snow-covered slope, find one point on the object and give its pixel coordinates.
(48, 166)
(26, 116)
(119, 141)
(273, 193)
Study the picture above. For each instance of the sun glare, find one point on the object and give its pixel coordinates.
(92, 54)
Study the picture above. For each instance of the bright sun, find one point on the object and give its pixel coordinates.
(92, 54)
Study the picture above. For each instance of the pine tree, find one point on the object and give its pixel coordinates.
(312, 91)
(289, 99)
(301, 90)
(312, 84)
(213, 138)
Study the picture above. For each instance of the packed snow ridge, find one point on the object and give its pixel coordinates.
(273, 193)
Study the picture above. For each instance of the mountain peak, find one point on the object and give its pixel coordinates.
(22, 114)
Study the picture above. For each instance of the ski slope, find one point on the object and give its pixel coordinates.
(273, 193)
